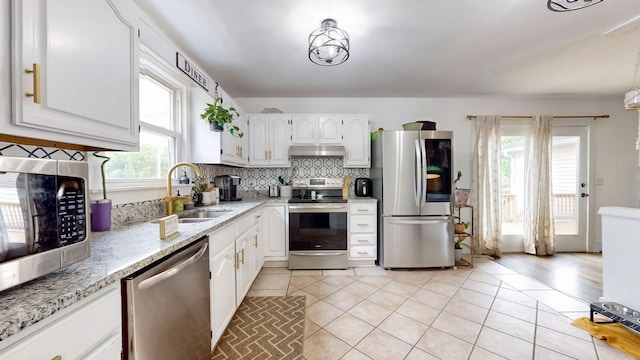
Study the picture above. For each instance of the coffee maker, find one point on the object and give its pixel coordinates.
(228, 185)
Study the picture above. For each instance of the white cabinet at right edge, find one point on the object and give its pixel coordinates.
(363, 226)
(357, 143)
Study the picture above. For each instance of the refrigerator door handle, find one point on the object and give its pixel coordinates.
(417, 183)
(423, 171)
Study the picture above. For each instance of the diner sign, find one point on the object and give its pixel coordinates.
(196, 75)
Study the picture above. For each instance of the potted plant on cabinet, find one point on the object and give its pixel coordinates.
(101, 209)
(218, 117)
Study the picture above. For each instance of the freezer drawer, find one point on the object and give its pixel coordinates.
(417, 242)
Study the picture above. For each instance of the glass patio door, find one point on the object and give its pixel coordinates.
(569, 183)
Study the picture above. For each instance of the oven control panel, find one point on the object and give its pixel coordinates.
(318, 183)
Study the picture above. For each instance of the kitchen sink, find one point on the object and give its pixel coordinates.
(189, 220)
(208, 213)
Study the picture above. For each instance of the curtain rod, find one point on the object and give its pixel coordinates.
(471, 117)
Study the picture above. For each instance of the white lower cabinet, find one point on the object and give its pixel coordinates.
(89, 329)
(363, 238)
(274, 229)
(243, 269)
(223, 279)
(235, 260)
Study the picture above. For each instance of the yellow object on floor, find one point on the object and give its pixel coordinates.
(616, 335)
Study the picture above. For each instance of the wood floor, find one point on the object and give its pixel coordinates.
(575, 274)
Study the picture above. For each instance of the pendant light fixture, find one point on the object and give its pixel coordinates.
(328, 45)
(569, 5)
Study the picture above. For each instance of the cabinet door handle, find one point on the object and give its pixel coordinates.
(57, 357)
(236, 264)
(255, 240)
(242, 256)
(36, 83)
(270, 155)
(346, 156)
(266, 154)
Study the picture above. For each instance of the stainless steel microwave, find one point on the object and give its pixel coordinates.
(43, 217)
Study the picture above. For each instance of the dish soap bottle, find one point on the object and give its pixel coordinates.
(178, 205)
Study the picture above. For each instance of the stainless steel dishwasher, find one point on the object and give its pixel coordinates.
(167, 307)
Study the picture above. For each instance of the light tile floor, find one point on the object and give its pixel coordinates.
(488, 312)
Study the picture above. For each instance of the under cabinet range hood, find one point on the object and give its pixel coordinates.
(316, 150)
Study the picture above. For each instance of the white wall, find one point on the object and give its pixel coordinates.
(613, 154)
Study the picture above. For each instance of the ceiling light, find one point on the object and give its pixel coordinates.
(328, 45)
(568, 5)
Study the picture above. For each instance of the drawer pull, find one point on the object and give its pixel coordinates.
(362, 253)
(363, 224)
(362, 209)
(57, 357)
(362, 240)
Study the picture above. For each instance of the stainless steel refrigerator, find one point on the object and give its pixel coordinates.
(412, 180)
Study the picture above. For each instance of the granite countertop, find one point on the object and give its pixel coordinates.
(114, 255)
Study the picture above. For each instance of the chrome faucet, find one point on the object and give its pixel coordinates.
(169, 198)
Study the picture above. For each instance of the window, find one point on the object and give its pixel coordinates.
(160, 102)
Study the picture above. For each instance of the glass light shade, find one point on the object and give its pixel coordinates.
(328, 45)
(568, 5)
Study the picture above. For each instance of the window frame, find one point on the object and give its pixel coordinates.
(160, 72)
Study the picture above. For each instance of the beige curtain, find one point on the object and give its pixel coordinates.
(538, 215)
(485, 185)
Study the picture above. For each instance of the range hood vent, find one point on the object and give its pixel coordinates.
(316, 150)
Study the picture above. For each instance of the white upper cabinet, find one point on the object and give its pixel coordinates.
(330, 130)
(75, 72)
(357, 141)
(269, 136)
(215, 147)
(304, 129)
(316, 130)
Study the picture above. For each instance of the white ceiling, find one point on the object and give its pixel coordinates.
(409, 48)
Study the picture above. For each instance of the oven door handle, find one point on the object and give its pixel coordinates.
(312, 253)
(318, 207)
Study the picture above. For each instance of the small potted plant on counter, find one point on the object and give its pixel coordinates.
(101, 209)
(218, 117)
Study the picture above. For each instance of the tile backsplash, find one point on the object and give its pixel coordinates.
(253, 179)
(29, 151)
(259, 179)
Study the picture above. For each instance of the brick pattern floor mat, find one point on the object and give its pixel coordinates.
(264, 328)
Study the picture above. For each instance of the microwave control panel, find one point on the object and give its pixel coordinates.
(72, 210)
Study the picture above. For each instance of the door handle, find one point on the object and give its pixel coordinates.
(145, 284)
(584, 195)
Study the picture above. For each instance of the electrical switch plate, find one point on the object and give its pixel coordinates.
(168, 226)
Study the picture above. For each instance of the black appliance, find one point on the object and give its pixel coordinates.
(44, 222)
(318, 224)
(363, 187)
(228, 185)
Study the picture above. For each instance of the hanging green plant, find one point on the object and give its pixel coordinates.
(216, 113)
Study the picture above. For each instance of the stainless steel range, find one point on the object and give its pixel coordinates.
(317, 224)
